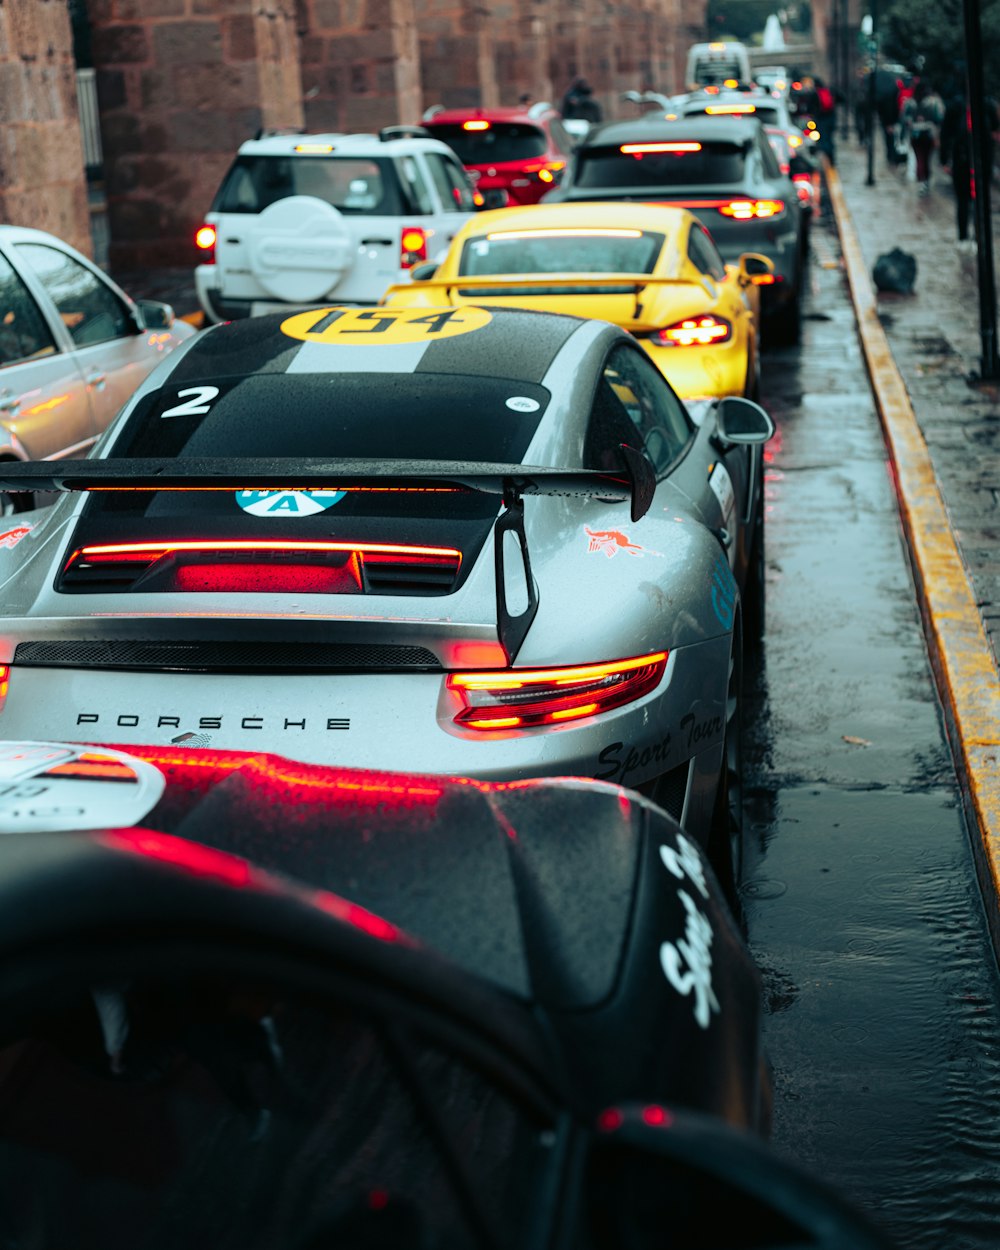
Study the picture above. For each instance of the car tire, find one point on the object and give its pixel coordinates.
(755, 586)
(785, 326)
(725, 844)
(299, 249)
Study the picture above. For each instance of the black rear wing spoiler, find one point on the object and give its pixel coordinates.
(635, 483)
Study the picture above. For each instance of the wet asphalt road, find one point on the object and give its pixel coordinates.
(861, 899)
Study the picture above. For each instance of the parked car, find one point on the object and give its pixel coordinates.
(514, 155)
(282, 1006)
(73, 348)
(475, 541)
(649, 268)
(720, 167)
(303, 219)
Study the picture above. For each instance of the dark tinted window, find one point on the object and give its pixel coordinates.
(366, 415)
(352, 184)
(610, 167)
(23, 332)
(704, 254)
(452, 183)
(656, 421)
(221, 1114)
(89, 308)
(499, 143)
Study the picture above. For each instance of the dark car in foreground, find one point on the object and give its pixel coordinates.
(273, 1005)
(723, 169)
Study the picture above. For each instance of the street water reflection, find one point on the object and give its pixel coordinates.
(861, 899)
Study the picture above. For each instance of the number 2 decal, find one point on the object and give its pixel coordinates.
(199, 403)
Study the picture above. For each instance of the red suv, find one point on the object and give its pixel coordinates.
(513, 155)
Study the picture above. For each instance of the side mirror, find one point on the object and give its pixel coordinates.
(755, 268)
(740, 420)
(424, 272)
(655, 1176)
(153, 315)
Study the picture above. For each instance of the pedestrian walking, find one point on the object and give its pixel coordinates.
(956, 152)
(923, 113)
(579, 104)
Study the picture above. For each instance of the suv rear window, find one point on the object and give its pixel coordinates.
(502, 143)
(610, 167)
(352, 184)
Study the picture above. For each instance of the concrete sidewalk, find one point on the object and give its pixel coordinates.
(942, 428)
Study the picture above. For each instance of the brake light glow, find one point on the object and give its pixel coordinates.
(637, 149)
(412, 246)
(314, 148)
(730, 82)
(529, 698)
(747, 210)
(4, 683)
(723, 110)
(571, 232)
(695, 331)
(204, 241)
(476, 125)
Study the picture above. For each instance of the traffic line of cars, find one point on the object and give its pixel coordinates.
(273, 991)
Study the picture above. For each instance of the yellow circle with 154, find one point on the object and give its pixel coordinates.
(386, 327)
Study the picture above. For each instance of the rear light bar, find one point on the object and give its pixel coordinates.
(148, 552)
(530, 698)
(476, 125)
(694, 331)
(637, 149)
(204, 241)
(4, 683)
(715, 110)
(747, 210)
(412, 247)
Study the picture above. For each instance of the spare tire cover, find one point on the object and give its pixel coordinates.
(299, 249)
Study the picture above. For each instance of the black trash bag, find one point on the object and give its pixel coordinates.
(895, 271)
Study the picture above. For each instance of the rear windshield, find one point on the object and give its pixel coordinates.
(352, 184)
(718, 69)
(624, 251)
(500, 144)
(610, 167)
(416, 416)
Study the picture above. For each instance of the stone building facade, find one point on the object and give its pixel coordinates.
(181, 83)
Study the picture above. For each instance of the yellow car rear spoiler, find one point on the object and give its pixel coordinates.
(473, 288)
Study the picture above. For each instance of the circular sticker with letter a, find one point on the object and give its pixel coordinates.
(288, 503)
(388, 327)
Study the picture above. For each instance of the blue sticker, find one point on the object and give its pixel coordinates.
(287, 503)
(723, 593)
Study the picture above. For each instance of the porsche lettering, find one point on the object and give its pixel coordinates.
(133, 720)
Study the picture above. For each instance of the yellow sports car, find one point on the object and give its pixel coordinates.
(651, 269)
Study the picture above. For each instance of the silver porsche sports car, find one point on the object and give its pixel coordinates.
(483, 542)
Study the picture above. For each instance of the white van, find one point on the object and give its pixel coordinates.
(710, 63)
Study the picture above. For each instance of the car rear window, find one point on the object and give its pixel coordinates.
(554, 251)
(611, 168)
(352, 184)
(501, 143)
(420, 416)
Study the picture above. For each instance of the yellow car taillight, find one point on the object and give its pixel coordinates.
(694, 331)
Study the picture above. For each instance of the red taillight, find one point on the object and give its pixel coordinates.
(4, 683)
(528, 698)
(695, 331)
(412, 247)
(804, 186)
(204, 241)
(747, 210)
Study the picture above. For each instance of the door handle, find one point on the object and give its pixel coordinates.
(95, 379)
(9, 402)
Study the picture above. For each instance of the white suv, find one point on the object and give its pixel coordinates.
(302, 219)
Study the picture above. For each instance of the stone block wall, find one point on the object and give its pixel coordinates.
(41, 154)
(181, 83)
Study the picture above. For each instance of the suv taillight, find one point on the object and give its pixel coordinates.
(204, 241)
(412, 247)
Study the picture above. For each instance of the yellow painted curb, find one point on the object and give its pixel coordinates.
(965, 663)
